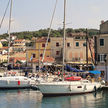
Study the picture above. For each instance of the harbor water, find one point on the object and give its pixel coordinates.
(34, 99)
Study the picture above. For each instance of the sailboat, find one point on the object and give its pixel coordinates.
(10, 80)
(59, 88)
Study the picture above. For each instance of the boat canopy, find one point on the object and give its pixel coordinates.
(26, 68)
(69, 68)
(95, 72)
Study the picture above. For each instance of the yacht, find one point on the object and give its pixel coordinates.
(59, 88)
(15, 82)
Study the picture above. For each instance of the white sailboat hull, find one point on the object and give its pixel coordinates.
(14, 82)
(67, 88)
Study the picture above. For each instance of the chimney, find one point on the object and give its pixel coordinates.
(102, 21)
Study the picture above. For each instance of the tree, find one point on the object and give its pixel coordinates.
(5, 44)
(44, 32)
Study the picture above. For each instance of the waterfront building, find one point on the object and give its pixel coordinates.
(18, 56)
(3, 40)
(102, 50)
(3, 58)
(75, 49)
(1, 44)
(3, 54)
(3, 50)
(37, 49)
(35, 52)
(19, 45)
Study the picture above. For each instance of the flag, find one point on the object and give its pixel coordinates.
(31, 58)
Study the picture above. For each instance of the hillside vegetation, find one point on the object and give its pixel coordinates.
(44, 32)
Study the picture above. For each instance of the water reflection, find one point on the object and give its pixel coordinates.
(77, 101)
(34, 99)
(20, 99)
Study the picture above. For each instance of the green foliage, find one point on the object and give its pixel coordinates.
(18, 62)
(4, 36)
(5, 44)
(29, 44)
(44, 32)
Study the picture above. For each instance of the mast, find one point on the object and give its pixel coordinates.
(87, 48)
(9, 30)
(39, 57)
(64, 37)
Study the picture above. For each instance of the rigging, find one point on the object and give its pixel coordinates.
(49, 30)
(4, 14)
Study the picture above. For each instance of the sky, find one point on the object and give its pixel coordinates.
(31, 15)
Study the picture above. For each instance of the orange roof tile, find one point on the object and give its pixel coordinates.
(18, 58)
(3, 48)
(42, 39)
(46, 59)
(18, 40)
(15, 59)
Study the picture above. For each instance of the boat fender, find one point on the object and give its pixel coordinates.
(19, 83)
(28, 82)
(70, 88)
(85, 88)
(95, 88)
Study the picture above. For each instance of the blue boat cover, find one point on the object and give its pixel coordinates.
(95, 72)
(69, 68)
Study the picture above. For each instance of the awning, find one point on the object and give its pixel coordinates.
(26, 68)
(95, 72)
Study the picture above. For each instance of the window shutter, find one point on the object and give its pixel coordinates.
(105, 57)
(98, 58)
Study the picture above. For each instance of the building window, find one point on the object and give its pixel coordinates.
(73, 59)
(77, 44)
(84, 44)
(43, 45)
(49, 40)
(68, 44)
(101, 57)
(101, 42)
(34, 55)
(77, 59)
(77, 37)
(41, 55)
(57, 44)
(57, 52)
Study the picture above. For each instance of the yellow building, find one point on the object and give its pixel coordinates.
(38, 49)
(19, 45)
(3, 58)
(1, 45)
